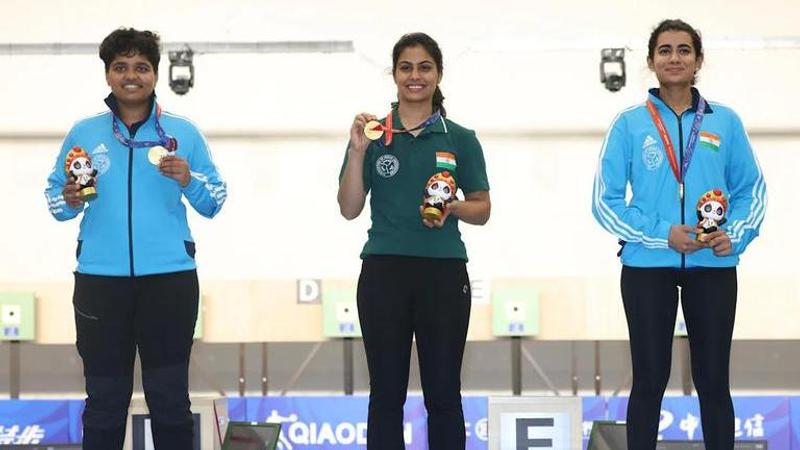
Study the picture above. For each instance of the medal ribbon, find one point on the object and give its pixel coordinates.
(690, 144)
(163, 139)
(387, 128)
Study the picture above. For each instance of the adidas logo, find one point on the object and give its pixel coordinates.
(100, 149)
(648, 141)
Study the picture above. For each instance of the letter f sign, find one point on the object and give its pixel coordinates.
(529, 429)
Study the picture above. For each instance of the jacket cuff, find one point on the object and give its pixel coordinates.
(193, 188)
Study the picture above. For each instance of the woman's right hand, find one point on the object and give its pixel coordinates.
(351, 195)
(71, 195)
(681, 241)
(358, 140)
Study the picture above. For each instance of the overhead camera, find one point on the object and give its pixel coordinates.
(181, 71)
(612, 68)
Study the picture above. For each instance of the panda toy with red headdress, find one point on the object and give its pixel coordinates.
(711, 210)
(79, 166)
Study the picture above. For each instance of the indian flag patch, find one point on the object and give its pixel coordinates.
(709, 140)
(445, 160)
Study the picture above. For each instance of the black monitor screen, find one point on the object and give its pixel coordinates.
(608, 435)
(251, 436)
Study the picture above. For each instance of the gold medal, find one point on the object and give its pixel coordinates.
(373, 130)
(156, 153)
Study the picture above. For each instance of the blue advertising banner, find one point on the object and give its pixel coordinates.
(476, 418)
(594, 408)
(237, 409)
(794, 408)
(313, 422)
(341, 422)
(75, 421)
(757, 418)
(338, 422)
(34, 422)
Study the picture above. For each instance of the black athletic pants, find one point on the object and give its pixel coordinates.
(708, 297)
(401, 297)
(113, 317)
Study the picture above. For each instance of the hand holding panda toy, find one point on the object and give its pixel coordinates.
(711, 210)
(439, 191)
(79, 167)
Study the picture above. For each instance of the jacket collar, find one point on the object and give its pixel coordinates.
(656, 98)
(437, 126)
(113, 105)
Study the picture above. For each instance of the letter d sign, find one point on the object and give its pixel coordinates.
(309, 291)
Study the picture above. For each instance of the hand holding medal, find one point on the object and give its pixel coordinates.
(176, 168)
(373, 130)
(169, 164)
(156, 153)
(358, 139)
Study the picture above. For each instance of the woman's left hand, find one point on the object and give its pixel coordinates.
(176, 168)
(720, 242)
(440, 222)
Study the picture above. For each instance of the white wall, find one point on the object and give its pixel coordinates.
(523, 74)
(508, 65)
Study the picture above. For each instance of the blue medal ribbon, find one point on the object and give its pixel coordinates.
(164, 140)
(691, 143)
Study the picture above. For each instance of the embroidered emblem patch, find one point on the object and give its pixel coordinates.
(652, 156)
(100, 159)
(387, 165)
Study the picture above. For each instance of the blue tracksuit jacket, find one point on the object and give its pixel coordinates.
(634, 154)
(137, 225)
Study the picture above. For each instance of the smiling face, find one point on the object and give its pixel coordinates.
(675, 60)
(132, 79)
(416, 75)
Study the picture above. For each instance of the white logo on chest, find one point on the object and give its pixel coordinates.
(652, 156)
(101, 160)
(387, 165)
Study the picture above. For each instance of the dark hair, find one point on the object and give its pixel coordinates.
(675, 25)
(430, 46)
(129, 42)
